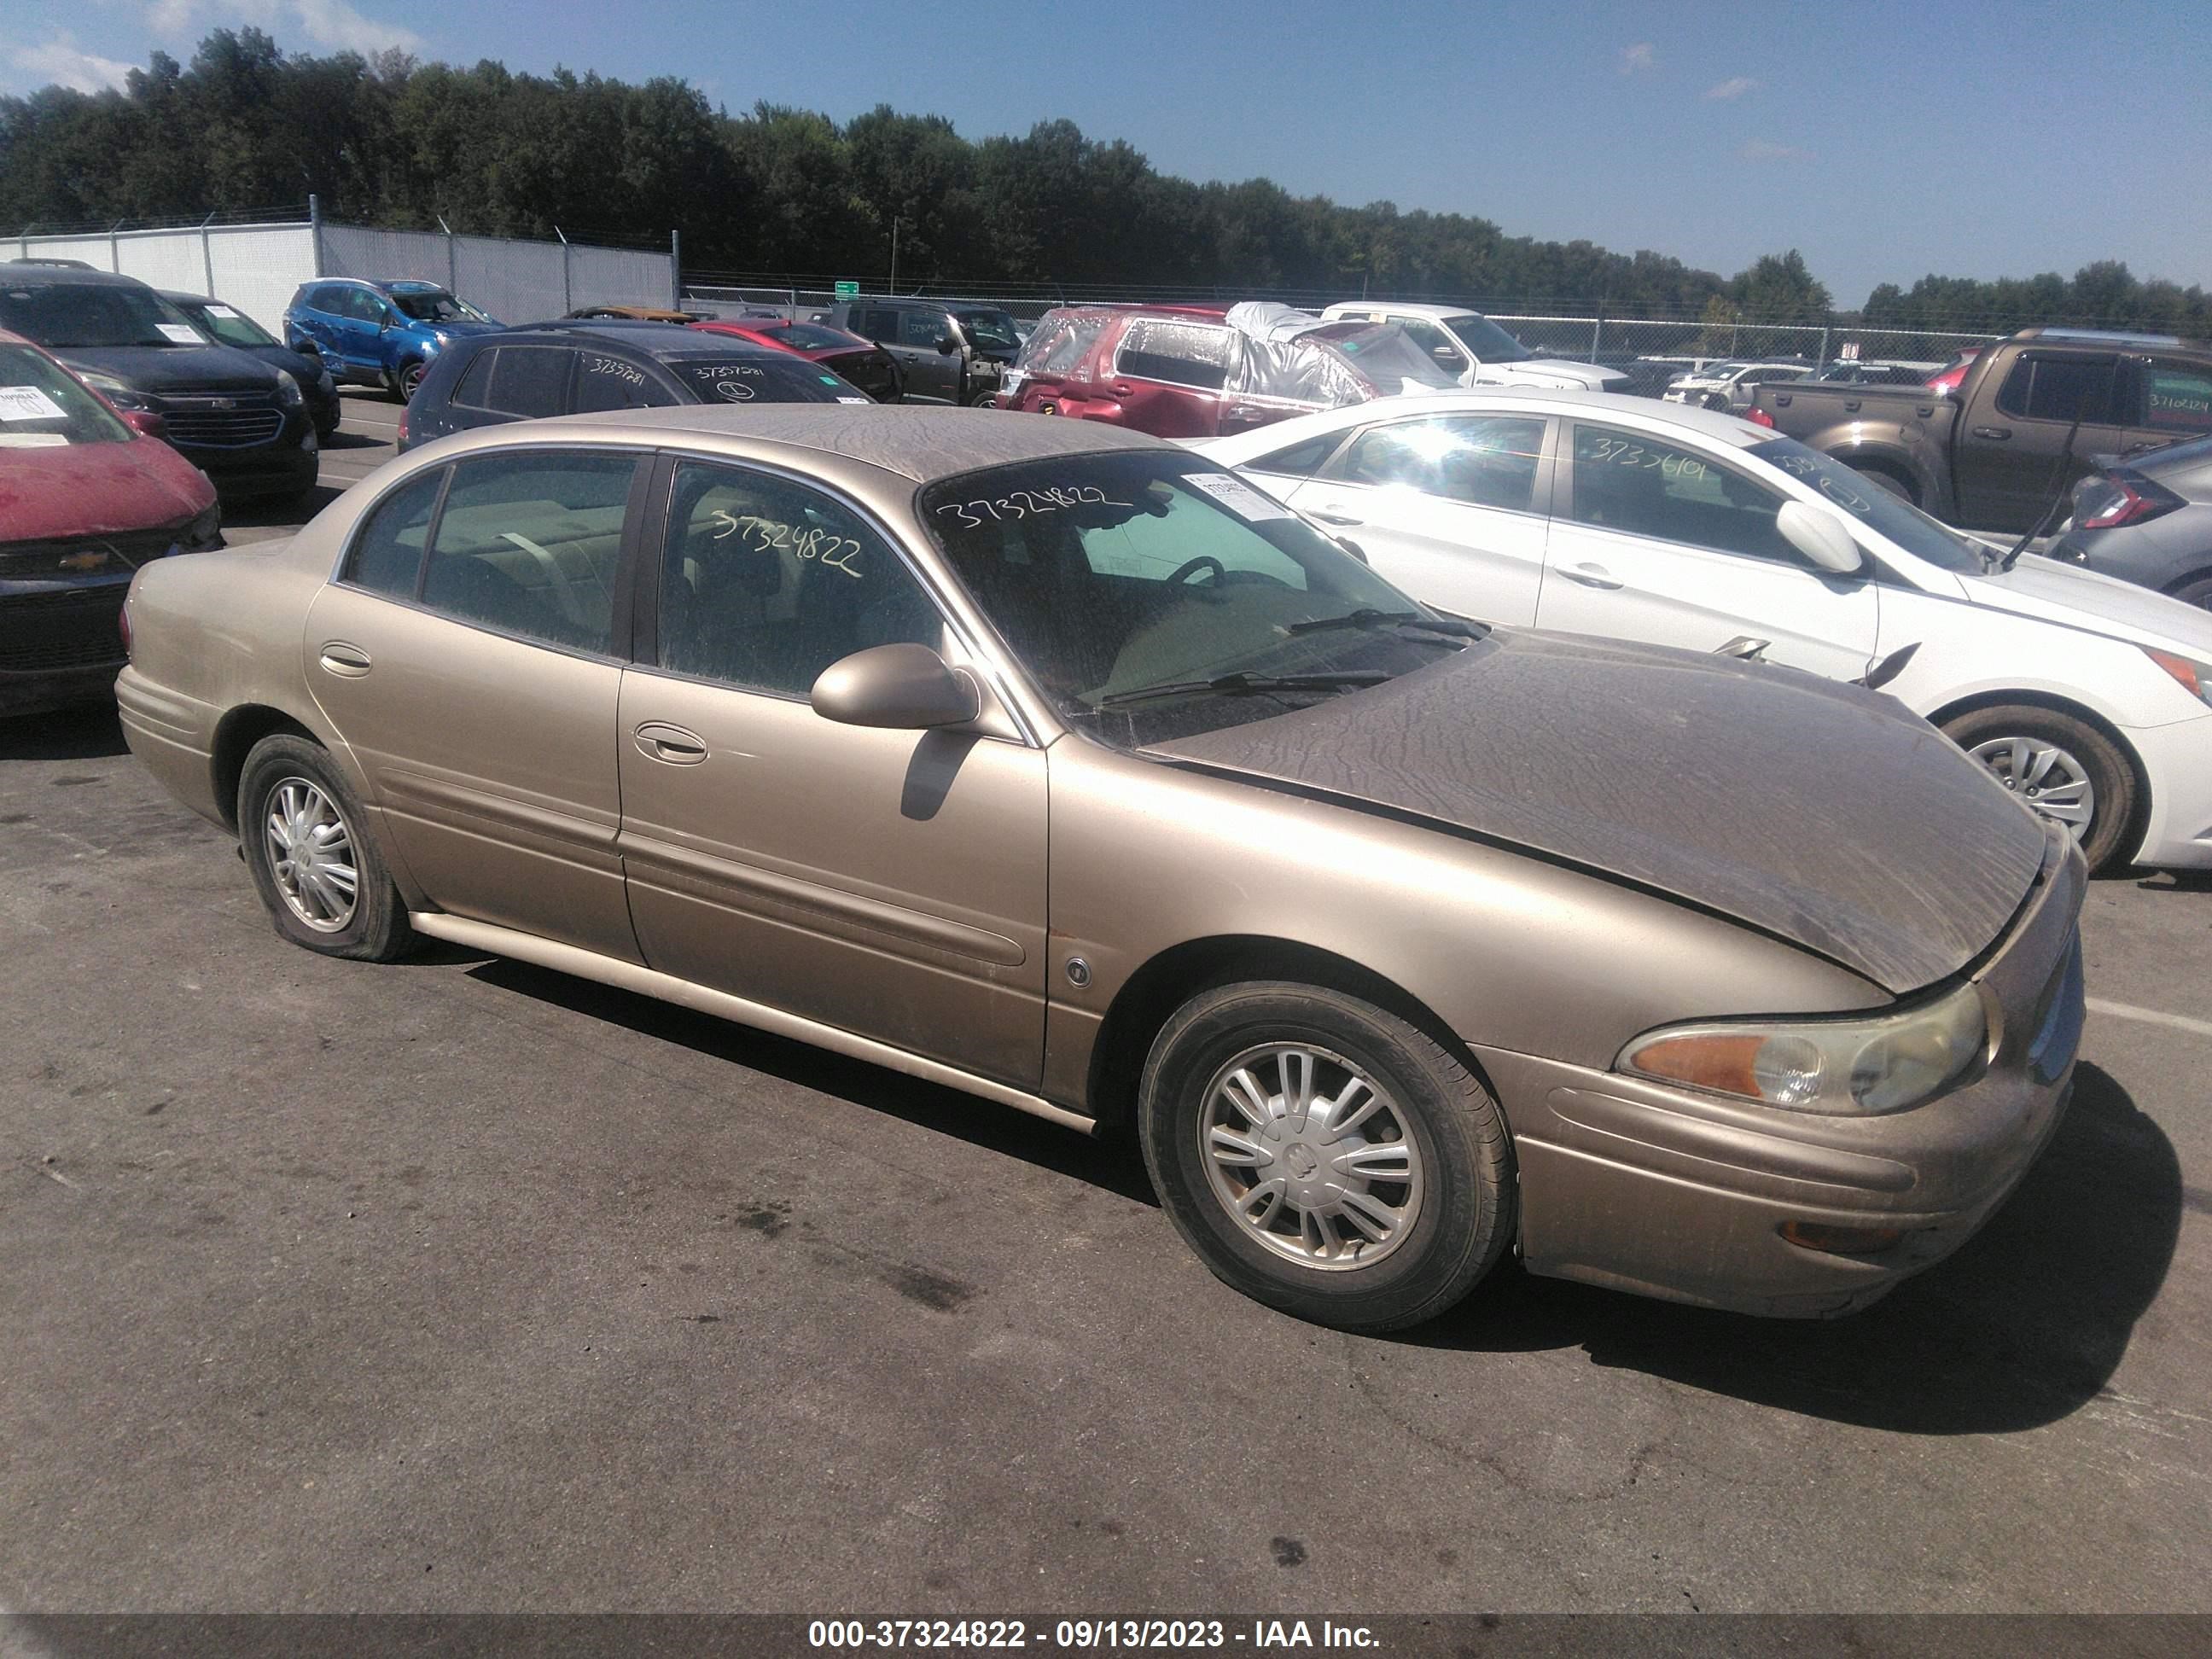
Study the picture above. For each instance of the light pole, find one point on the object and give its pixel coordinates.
(896, 222)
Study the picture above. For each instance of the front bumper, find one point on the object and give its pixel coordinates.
(59, 643)
(2178, 761)
(286, 464)
(1683, 1196)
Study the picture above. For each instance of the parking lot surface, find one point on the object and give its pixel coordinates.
(459, 1285)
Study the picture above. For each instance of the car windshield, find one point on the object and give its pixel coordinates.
(62, 315)
(1110, 574)
(766, 377)
(1869, 503)
(1489, 342)
(229, 326)
(436, 305)
(993, 329)
(43, 406)
(1389, 360)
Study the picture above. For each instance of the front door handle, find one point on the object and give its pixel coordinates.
(658, 741)
(1996, 435)
(348, 661)
(1591, 575)
(1334, 518)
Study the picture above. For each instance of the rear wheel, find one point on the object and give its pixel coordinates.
(2062, 767)
(2197, 590)
(301, 827)
(1889, 481)
(1324, 1156)
(409, 382)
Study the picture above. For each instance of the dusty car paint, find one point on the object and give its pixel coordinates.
(888, 893)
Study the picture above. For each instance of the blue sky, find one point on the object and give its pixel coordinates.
(1885, 140)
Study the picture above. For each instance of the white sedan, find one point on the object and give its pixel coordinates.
(1621, 516)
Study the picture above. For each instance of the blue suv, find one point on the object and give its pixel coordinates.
(384, 334)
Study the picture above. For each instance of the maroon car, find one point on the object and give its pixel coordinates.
(863, 362)
(86, 495)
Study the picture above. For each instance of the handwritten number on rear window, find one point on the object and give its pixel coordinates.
(1020, 504)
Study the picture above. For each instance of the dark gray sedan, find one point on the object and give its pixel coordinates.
(2149, 521)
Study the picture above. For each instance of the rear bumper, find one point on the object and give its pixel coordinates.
(1684, 1196)
(173, 736)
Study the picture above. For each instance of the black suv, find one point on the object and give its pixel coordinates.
(597, 366)
(952, 353)
(242, 422)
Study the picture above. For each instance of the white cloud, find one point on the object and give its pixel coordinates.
(1766, 149)
(1635, 59)
(331, 23)
(1734, 87)
(60, 62)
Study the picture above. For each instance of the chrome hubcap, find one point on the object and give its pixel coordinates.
(311, 855)
(1310, 1156)
(2044, 776)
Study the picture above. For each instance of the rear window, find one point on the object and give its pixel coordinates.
(1060, 344)
(42, 406)
(767, 379)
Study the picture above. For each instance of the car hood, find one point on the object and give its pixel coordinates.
(1555, 373)
(2053, 591)
(456, 331)
(1821, 813)
(96, 489)
(164, 369)
(308, 372)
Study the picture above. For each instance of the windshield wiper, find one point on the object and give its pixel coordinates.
(1243, 684)
(1371, 618)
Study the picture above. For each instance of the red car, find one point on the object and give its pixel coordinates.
(86, 495)
(1200, 371)
(863, 362)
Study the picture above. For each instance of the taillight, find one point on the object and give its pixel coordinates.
(2124, 498)
(122, 625)
(1759, 416)
(400, 441)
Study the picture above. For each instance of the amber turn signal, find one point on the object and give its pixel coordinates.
(1841, 1241)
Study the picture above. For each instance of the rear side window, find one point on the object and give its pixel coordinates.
(605, 383)
(1300, 461)
(2059, 389)
(2177, 397)
(530, 382)
(1481, 460)
(529, 543)
(387, 554)
(473, 389)
(923, 328)
(1182, 354)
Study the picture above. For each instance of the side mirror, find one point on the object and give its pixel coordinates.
(1819, 535)
(1448, 357)
(946, 345)
(145, 423)
(908, 687)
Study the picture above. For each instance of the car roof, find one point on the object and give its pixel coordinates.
(654, 339)
(1707, 423)
(916, 442)
(177, 296)
(1411, 308)
(22, 276)
(2107, 336)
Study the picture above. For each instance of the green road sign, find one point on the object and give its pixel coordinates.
(848, 291)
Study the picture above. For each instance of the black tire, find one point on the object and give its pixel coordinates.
(2196, 591)
(1889, 481)
(2111, 772)
(408, 382)
(1464, 1218)
(377, 929)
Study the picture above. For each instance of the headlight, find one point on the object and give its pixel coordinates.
(203, 533)
(287, 390)
(2194, 677)
(114, 391)
(1844, 1067)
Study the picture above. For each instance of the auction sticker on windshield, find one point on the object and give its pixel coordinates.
(1239, 497)
(28, 402)
(180, 334)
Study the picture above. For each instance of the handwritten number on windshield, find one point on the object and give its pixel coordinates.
(760, 536)
(1020, 504)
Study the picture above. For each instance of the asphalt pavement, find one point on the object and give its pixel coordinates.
(458, 1285)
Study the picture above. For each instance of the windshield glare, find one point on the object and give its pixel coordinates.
(1108, 574)
(1489, 342)
(994, 329)
(59, 315)
(1869, 503)
(438, 308)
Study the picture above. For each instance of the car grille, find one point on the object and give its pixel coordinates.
(83, 556)
(222, 428)
(41, 632)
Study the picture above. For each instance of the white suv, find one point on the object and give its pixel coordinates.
(1477, 350)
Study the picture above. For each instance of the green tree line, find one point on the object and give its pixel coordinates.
(780, 193)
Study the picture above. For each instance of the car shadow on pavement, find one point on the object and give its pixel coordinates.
(342, 438)
(1111, 1163)
(2024, 1326)
(85, 733)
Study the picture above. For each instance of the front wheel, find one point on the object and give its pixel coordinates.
(301, 827)
(1323, 1157)
(2062, 767)
(409, 382)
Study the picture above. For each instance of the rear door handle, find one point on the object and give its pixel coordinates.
(1336, 517)
(1591, 575)
(349, 661)
(658, 741)
(1994, 433)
